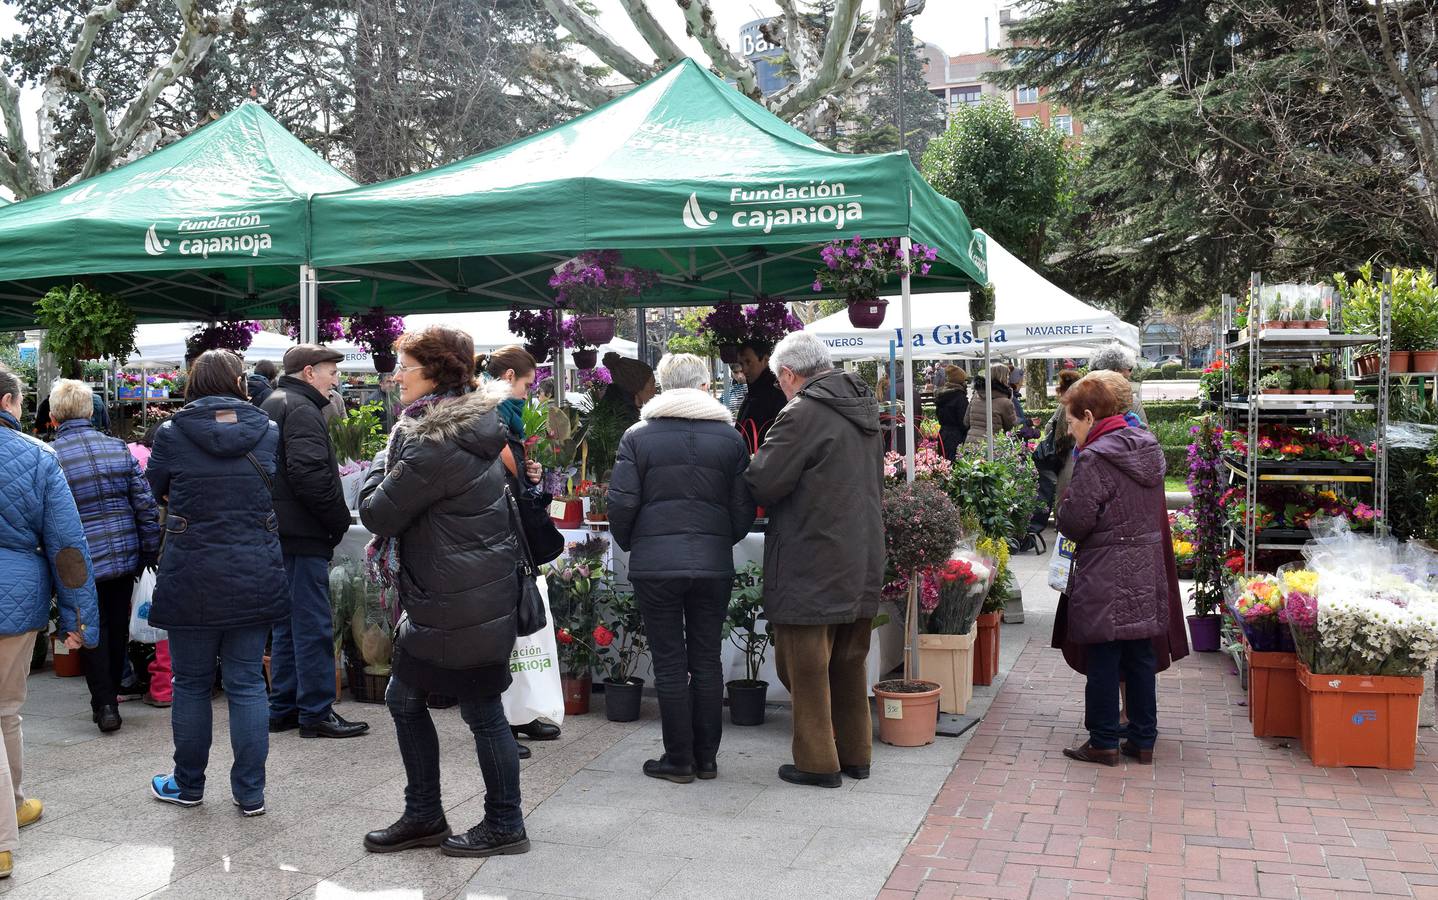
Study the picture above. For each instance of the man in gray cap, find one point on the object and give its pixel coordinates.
(313, 518)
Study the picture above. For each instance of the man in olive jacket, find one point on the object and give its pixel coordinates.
(310, 503)
(819, 475)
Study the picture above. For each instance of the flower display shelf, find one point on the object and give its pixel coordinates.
(1359, 720)
(1273, 697)
(1309, 404)
(1304, 470)
(1303, 341)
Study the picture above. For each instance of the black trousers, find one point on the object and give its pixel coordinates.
(684, 620)
(105, 664)
(1133, 663)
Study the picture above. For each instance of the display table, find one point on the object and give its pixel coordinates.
(885, 653)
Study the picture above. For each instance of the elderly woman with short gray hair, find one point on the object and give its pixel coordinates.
(678, 504)
(1118, 358)
(122, 525)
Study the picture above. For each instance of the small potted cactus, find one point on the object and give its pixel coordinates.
(1321, 382)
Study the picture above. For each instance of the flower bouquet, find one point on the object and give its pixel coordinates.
(1256, 603)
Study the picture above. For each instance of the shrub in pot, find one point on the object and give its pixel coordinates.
(742, 628)
(620, 642)
(81, 323)
(576, 581)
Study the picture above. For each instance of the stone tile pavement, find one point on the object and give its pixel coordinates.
(600, 828)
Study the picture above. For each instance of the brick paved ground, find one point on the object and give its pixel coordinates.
(1221, 813)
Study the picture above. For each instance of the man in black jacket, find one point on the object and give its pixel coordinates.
(313, 518)
(763, 400)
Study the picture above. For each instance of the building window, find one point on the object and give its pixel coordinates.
(1027, 94)
(1027, 122)
(1064, 124)
(965, 96)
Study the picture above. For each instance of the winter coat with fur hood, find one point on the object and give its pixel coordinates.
(677, 499)
(439, 488)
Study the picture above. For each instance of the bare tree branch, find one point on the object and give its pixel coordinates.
(653, 33)
(17, 173)
(587, 32)
(794, 36)
(699, 20)
(838, 72)
(568, 78)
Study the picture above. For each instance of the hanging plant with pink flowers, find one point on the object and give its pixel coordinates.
(226, 334)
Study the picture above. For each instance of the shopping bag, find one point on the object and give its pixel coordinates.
(140, 628)
(534, 666)
(1061, 563)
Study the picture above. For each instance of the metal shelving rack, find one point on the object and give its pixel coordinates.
(1265, 347)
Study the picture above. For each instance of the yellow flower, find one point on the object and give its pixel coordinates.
(1301, 580)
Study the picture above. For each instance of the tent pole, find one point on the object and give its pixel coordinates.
(309, 308)
(989, 396)
(642, 321)
(909, 419)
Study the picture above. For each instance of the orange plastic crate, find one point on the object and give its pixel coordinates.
(1359, 720)
(1273, 698)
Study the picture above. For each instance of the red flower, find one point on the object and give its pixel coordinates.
(603, 636)
(563, 636)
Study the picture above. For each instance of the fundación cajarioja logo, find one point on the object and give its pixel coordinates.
(243, 234)
(780, 205)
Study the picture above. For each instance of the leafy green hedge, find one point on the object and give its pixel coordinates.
(1157, 411)
(1158, 373)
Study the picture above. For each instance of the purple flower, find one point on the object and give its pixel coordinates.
(818, 286)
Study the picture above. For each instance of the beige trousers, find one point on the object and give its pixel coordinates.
(825, 669)
(15, 653)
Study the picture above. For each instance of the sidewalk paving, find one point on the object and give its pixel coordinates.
(1220, 813)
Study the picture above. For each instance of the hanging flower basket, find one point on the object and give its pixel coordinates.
(595, 330)
(729, 353)
(384, 361)
(586, 359)
(376, 331)
(867, 313)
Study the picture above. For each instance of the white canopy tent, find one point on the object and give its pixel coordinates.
(1033, 318)
(490, 331)
(164, 345)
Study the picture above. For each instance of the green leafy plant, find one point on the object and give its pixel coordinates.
(625, 643)
(358, 435)
(741, 626)
(1413, 305)
(81, 324)
(576, 581)
(982, 303)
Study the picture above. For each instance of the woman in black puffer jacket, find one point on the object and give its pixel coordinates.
(445, 540)
(678, 504)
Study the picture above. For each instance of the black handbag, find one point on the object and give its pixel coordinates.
(529, 609)
(545, 541)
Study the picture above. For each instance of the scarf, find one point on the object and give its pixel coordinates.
(1105, 426)
(381, 554)
(511, 413)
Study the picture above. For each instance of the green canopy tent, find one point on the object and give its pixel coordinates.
(215, 223)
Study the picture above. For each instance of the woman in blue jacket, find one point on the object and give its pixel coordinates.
(221, 584)
(42, 552)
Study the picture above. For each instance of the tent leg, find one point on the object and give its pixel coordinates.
(309, 306)
(989, 395)
(909, 419)
(641, 319)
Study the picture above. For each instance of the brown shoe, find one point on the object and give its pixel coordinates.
(1092, 754)
(1133, 751)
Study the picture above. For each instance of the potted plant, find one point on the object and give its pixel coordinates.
(376, 331)
(727, 328)
(540, 329)
(1275, 313)
(952, 594)
(363, 630)
(1317, 315)
(1344, 386)
(742, 628)
(1321, 383)
(82, 324)
(921, 528)
(576, 580)
(595, 285)
(224, 334)
(131, 386)
(1410, 302)
(769, 321)
(982, 309)
(858, 269)
(1300, 380)
(328, 324)
(621, 643)
(598, 496)
(1275, 382)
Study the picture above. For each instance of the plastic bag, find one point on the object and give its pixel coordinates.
(1410, 436)
(534, 666)
(140, 628)
(1061, 562)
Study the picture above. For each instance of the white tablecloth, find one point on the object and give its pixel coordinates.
(886, 652)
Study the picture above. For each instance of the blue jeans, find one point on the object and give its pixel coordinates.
(419, 748)
(302, 648)
(193, 653)
(1133, 662)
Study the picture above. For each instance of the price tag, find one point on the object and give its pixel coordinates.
(557, 509)
(893, 709)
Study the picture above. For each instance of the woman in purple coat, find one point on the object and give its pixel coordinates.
(1120, 605)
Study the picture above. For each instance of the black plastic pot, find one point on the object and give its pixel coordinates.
(746, 702)
(384, 361)
(621, 699)
(585, 359)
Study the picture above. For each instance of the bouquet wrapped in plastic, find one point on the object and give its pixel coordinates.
(1256, 602)
(1363, 605)
(959, 587)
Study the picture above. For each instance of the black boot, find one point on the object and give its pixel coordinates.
(405, 834)
(108, 718)
(668, 771)
(795, 775)
(707, 770)
(536, 731)
(481, 840)
(858, 773)
(524, 752)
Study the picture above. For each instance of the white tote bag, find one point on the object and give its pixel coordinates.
(1061, 563)
(140, 628)
(534, 665)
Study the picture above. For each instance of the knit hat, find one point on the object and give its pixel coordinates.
(630, 374)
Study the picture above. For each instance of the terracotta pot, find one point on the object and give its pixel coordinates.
(1425, 360)
(585, 359)
(907, 719)
(1359, 720)
(867, 313)
(986, 648)
(945, 659)
(1400, 361)
(1275, 324)
(729, 353)
(67, 662)
(384, 361)
(1367, 364)
(1318, 324)
(576, 690)
(1271, 391)
(596, 330)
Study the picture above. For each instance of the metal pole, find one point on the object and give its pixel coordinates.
(909, 419)
(642, 320)
(899, 52)
(989, 396)
(309, 306)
